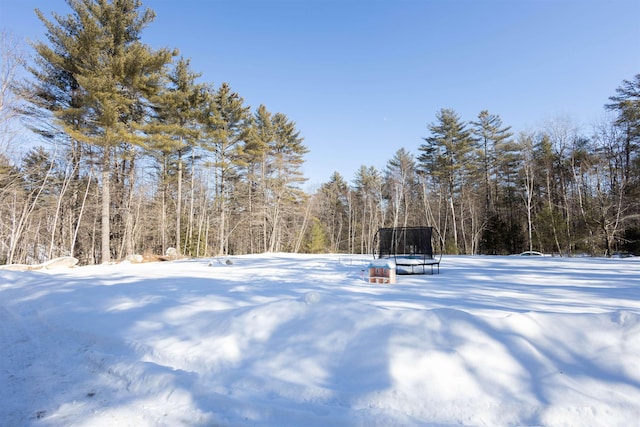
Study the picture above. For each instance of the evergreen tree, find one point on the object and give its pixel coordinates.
(446, 151)
(494, 154)
(317, 239)
(333, 209)
(98, 78)
(626, 104)
(261, 137)
(175, 132)
(227, 122)
(447, 159)
(492, 136)
(286, 157)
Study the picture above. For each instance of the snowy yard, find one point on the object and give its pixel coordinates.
(303, 340)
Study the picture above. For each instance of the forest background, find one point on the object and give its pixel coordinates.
(139, 156)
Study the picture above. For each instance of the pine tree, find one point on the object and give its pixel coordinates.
(261, 136)
(333, 206)
(447, 159)
(98, 78)
(494, 153)
(620, 208)
(317, 239)
(286, 157)
(491, 136)
(226, 127)
(627, 106)
(272, 156)
(446, 151)
(175, 133)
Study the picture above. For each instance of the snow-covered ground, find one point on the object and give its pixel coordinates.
(303, 340)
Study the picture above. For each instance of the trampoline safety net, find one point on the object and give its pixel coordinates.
(408, 246)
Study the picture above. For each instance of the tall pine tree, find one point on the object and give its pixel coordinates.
(286, 157)
(175, 132)
(493, 140)
(107, 78)
(226, 129)
(446, 157)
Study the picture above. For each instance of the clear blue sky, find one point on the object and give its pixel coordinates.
(364, 78)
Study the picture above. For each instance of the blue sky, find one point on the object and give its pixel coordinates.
(364, 78)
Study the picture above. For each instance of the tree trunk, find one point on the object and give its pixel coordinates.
(192, 202)
(455, 225)
(179, 206)
(106, 201)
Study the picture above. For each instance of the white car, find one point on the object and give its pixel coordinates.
(531, 253)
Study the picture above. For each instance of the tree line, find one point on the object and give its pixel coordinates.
(140, 157)
(488, 191)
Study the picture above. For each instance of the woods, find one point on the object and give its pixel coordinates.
(135, 156)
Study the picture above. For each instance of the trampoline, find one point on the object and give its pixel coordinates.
(411, 248)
